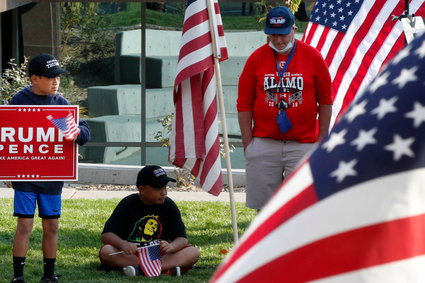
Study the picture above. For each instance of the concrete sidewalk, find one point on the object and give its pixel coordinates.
(72, 193)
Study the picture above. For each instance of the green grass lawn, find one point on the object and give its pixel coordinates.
(208, 227)
(131, 16)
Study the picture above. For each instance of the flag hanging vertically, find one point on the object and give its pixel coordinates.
(354, 210)
(194, 139)
(356, 38)
(66, 125)
(150, 260)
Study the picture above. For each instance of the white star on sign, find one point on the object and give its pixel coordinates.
(400, 147)
(334, 140)
(417, 114)
(406, 75)
(364, 138)
(379, 81)
(344, 170)
(385, 106)
(356, 110)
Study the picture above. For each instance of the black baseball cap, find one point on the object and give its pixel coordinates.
(279, 20)
(153, 176)
(45, 65)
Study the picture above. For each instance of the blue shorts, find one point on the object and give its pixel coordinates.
(49, 206)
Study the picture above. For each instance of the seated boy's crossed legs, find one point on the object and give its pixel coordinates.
(184, 259)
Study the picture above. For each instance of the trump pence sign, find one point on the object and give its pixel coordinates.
(32, 148)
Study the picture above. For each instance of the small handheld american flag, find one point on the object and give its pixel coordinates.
(66, 126)
(150, 260)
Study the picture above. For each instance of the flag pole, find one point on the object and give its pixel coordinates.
(214, 31)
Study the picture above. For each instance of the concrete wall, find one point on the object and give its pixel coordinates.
(166, 42)
(123, 100)
(162, 50)
(127, 175)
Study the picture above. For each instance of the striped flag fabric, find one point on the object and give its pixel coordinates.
(354, 210)
(150, 260)
(194, 138)
(356, 38)
(66, 125)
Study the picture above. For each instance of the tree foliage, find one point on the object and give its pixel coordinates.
(83, 33)
(13, 80)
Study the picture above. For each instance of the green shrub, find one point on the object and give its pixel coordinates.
(13, 80)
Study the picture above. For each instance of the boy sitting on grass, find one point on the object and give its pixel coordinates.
(45, 73)
(142, 218)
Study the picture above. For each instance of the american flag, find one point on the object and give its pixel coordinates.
(66, 125)
(150, 260)
(194, 139)
(356, 38)
(354, 210)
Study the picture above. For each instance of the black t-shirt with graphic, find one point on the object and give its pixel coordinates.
(134, 221)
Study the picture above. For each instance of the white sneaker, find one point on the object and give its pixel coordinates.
(131, 270)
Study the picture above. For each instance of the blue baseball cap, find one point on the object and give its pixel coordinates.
(279, 21)
(45, 65)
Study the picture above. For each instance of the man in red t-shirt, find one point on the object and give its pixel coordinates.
(284, 90)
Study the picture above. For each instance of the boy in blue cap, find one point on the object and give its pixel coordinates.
(44, 71)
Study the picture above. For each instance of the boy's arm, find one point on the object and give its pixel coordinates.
(112, 239)
(84, 135)
(176, 245)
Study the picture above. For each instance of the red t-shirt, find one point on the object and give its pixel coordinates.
(306, 83)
